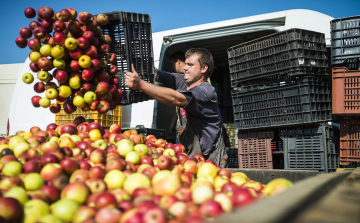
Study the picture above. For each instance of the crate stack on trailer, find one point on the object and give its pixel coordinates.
(281, 92)
(345, 59)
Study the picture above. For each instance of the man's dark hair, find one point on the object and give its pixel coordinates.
(205, 58)
(178, 55)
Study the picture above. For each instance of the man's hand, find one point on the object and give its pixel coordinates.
(132, 79)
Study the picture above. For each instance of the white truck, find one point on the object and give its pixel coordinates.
(217, 37)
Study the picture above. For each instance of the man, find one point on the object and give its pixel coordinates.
(200, 125)
(177, 60)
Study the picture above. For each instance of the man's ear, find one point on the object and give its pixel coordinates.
(204, 69)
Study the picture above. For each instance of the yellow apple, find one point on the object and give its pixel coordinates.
(115, 179)
(45, 50)
(34, 56)
(95, 134)
(84, 61)
(64, 91)
(57, 52)
(136, 180)
(207, 169)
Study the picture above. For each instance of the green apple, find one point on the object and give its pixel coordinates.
(74, 83)
(84, 61)
(51, 93)
(70, 43)
(43, 75)
(133, 157)
(21, 148)
(76, 138)
(50, 218)
(44, 102)
(65, 134)
(57, 52)
(79, 101)
(34, 56)
(45, 50)
(90, 97)
(28, 78)
(18, 193)
(136, 180)
(115, 179)
(12, 169)
(59, 64)
(141, 149)
(34, 209)
(33, 181)
(124, 146)
(64, 91)
(54, 139)
(15, 140)
(100, 143)
(64, 209)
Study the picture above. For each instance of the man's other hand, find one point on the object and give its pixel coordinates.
(132, 79)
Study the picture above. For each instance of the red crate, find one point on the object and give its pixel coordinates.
(349, 140)
(255, 149)
(345, 92)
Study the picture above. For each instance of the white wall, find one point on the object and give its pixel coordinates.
(8, 77)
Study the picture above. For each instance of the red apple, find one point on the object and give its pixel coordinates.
(105, 200)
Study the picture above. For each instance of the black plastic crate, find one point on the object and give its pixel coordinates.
(292, 52)
(345, 42)
(158, 133)
(314, 147)
(233, 158)
(301, 100)
(132, 43)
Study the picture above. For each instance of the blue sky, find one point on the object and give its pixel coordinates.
(165, 15)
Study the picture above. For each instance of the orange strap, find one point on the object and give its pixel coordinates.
(225, 159)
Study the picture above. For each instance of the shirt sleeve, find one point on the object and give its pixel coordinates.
(193, 107)
(167, 79)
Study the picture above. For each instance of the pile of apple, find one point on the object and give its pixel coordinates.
(81, 172)
(74, 52)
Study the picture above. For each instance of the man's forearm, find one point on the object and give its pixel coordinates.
(164, 95)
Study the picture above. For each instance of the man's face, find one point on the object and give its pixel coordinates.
(193, 71)
(177, 66)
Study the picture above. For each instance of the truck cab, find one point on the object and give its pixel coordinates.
(217, 37)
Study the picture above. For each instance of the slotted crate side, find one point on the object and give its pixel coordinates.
(305, 100)
(254, 149)
(346, 92)
(345, 42)
(349, 140)
(255, 161)
(132, 43)
(106, 120)
(293, 51)
(313, 147)
(158, 133)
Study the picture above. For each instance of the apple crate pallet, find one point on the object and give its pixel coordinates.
(254, 149)
(349, 140)
(346, 92)
(313, 147)
(132, 44)
(106, 120)
(345, 42)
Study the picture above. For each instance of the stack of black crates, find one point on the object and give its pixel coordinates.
(281, 92)
(132, 44)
